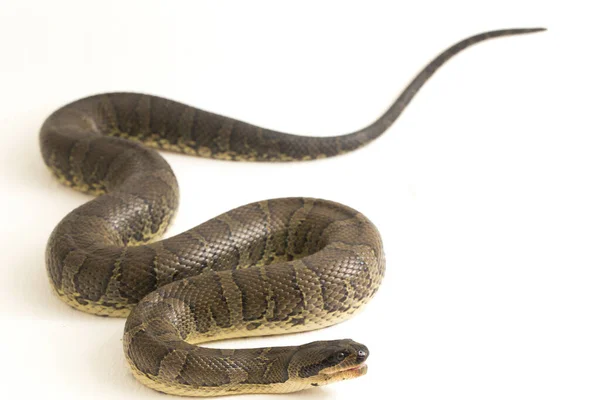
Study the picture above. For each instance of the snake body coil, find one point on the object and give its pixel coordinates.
(277, 266)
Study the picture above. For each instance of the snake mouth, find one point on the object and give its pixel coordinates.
(351, 372)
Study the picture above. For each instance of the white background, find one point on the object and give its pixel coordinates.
(486, 191)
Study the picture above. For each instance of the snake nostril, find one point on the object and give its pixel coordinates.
(361, 355)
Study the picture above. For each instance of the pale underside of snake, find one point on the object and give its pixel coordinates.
(272, 267)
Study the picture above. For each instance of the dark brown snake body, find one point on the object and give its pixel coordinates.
(277, 266)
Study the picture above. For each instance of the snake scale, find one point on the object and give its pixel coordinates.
(272, 267)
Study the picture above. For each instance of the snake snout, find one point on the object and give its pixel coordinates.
(362, 354)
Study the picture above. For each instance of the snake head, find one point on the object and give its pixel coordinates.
(324, 362)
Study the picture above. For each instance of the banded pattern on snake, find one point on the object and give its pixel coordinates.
(277, 266)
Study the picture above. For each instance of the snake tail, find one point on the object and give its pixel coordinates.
(173, 126)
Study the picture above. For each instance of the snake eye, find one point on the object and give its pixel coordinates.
(341, 355)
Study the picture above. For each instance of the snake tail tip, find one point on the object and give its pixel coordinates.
(532, 30)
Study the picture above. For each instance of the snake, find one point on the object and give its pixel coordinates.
(271, 267)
